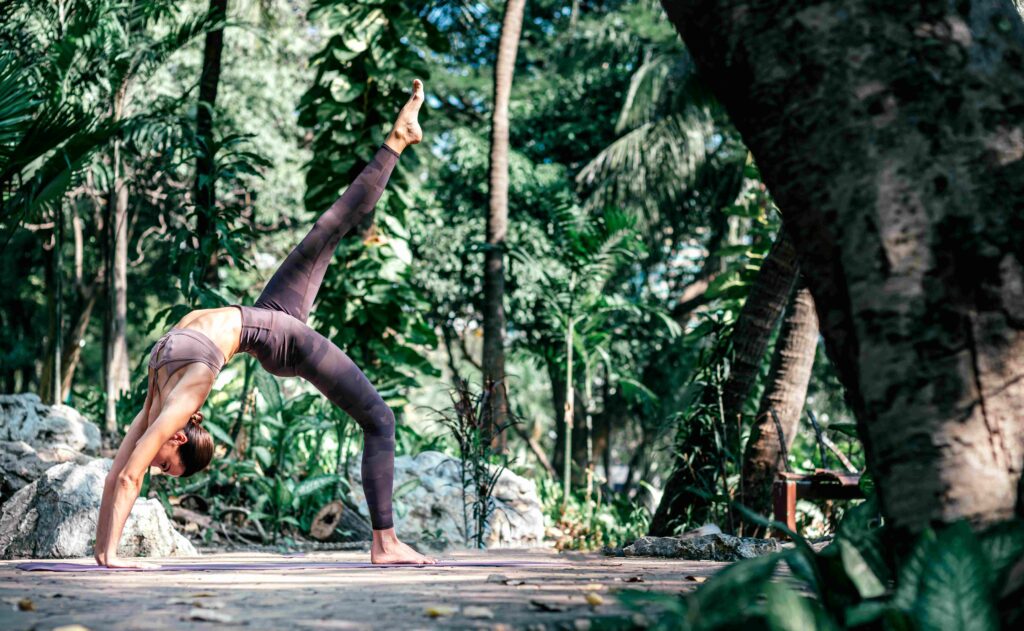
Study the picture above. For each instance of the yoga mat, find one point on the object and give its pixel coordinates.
(234, 567)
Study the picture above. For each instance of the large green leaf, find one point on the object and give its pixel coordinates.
(786, 610)
(315, 483)
(1003, 545)
(955, 592)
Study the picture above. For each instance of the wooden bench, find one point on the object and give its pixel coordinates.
(823, 484)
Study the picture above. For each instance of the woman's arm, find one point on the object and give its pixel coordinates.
(134, 433)
(177, 409)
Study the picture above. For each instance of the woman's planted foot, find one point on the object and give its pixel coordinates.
(406, 130)
(387, 548)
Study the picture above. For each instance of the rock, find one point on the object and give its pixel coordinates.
(21, 465)
(24, 417)
(716, 547)
(55, 517)
(429, 500)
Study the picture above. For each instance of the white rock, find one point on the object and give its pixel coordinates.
(55, 517)
(429, 499)
(24, 417)
(20, 464)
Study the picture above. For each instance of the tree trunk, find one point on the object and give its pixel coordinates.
(497, 213)
(697, 465)
(893, 139)
(785, 393)
(117, 373)
(205, 185)
(754, 325)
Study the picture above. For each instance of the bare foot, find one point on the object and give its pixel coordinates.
(387, 548)
(406, 130)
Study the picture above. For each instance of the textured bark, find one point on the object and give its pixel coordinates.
(785, 392)
(117, 373)
(497, 211)
(209, 80)
(697, 463)
(754, 325)
(892, 136)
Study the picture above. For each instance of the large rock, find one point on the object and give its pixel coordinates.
(428, 501)
(716, 547)
(24, 417)
(55, 517)
(20, 464)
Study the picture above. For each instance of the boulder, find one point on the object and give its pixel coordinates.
(20, 464)
(429, 501)
(55, 517)
(24, 417)
(715, 547)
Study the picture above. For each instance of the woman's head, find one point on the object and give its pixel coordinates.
(187, 451)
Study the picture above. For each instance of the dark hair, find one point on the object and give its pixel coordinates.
(198, 451)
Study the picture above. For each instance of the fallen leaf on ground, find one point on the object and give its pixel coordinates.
(593, 587)
(696, 579)
(437, 611)
(548, 606)
(497, 578)
(205, 615)
(477, 612)
(594, 599)
(26, 604)
(633, 579)
(202, 595)
(515, 582)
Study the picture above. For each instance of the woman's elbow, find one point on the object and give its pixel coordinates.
(127, 481)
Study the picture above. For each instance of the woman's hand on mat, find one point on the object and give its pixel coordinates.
(387, 548)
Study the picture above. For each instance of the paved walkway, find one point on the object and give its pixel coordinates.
(537, 597)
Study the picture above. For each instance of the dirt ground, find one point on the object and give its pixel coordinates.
(548, 597)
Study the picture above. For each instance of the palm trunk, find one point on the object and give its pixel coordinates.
(205, 185)
(758, 318)
(698, 463)
(902, 186)
(497, 214)
(785, 393)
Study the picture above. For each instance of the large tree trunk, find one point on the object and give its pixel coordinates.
(784, 394)
(892, 136)
(697, 465)
(497, 212)
(205, 186)
(117, 373)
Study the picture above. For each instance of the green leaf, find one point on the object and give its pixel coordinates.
(268, 387)
(955, 590)
(263, 455)
(785, 610)
(314, 484)
(860, 572)
(1003, 545)
(730, 595)
(908, 580)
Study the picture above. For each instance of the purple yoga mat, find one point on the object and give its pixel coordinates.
(232, 567)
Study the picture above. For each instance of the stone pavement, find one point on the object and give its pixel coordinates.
(517, 597)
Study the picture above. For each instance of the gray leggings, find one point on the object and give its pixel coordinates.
(274, 331)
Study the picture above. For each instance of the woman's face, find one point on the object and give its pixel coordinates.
(167, 459)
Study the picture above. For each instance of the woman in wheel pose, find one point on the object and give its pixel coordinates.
(184, 363)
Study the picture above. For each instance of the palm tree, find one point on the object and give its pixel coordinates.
(497, 212)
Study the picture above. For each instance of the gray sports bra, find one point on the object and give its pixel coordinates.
(181, 347)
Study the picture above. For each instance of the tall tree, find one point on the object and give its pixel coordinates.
(497, 211)
(783, 399)
(698, 457)
(209, 80)
(892, 136)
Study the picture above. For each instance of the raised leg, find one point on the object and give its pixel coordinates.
(293, 288)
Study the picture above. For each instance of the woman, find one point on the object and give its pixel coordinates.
(184, 363)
